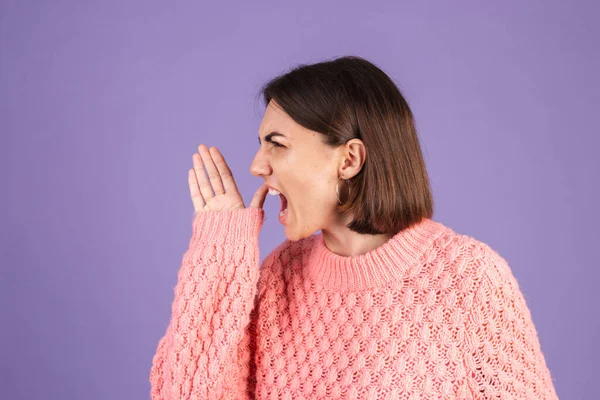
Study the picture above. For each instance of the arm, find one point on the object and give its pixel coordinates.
(503, 357)
(206, 351)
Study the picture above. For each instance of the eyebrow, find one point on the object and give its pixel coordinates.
(271, 135)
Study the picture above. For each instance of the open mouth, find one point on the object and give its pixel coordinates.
(284, 203)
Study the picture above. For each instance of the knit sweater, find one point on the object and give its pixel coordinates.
(430, 314)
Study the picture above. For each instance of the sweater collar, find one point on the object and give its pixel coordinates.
(383, 265)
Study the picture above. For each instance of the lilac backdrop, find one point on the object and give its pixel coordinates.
(102, 105)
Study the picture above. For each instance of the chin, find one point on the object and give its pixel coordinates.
(295, 236)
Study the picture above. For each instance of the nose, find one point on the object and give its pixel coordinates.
(260, 166)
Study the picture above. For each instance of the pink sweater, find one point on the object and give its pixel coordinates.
(429, 314)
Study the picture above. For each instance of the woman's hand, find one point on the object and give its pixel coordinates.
(218, 191)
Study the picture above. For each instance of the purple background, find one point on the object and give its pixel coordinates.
(102, 106)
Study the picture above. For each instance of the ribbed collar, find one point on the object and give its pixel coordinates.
(378, 267)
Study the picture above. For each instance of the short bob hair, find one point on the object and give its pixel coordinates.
(347, 98)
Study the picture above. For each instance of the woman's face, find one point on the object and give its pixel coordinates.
(303, 169)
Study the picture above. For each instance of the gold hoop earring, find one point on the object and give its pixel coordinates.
(337, 193)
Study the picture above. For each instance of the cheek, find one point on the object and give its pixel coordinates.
(309, 183)
(316, 192)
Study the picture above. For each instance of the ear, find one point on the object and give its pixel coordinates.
(353, 156)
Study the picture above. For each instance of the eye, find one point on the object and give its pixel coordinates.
(277, 144)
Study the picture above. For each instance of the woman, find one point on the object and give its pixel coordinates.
(384, 303)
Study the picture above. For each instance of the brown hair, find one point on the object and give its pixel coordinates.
(349, 97)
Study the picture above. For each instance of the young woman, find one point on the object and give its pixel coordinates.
(384, 303)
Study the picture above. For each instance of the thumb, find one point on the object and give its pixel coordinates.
(258, 200)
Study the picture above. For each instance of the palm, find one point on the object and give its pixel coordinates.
(225, 202)
(216, 191)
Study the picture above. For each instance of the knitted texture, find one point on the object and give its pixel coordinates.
(430, 314)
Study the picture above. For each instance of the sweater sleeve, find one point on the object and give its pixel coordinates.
(207, 350)
(503, 356)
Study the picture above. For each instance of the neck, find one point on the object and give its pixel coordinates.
(345, 242)
(389, 262)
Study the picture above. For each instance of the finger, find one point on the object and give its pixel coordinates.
(197, 199)
(258, 200)
(211, 169)
(203, 183)
(224, 171)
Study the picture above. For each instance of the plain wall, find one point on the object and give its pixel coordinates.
(102, 105)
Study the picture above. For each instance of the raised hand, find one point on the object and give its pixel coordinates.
(217, 191)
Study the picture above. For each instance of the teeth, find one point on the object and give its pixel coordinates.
(273, 192)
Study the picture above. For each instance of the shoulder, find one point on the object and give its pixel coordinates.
(472, 261)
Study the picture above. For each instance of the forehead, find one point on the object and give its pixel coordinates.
(275, 119)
